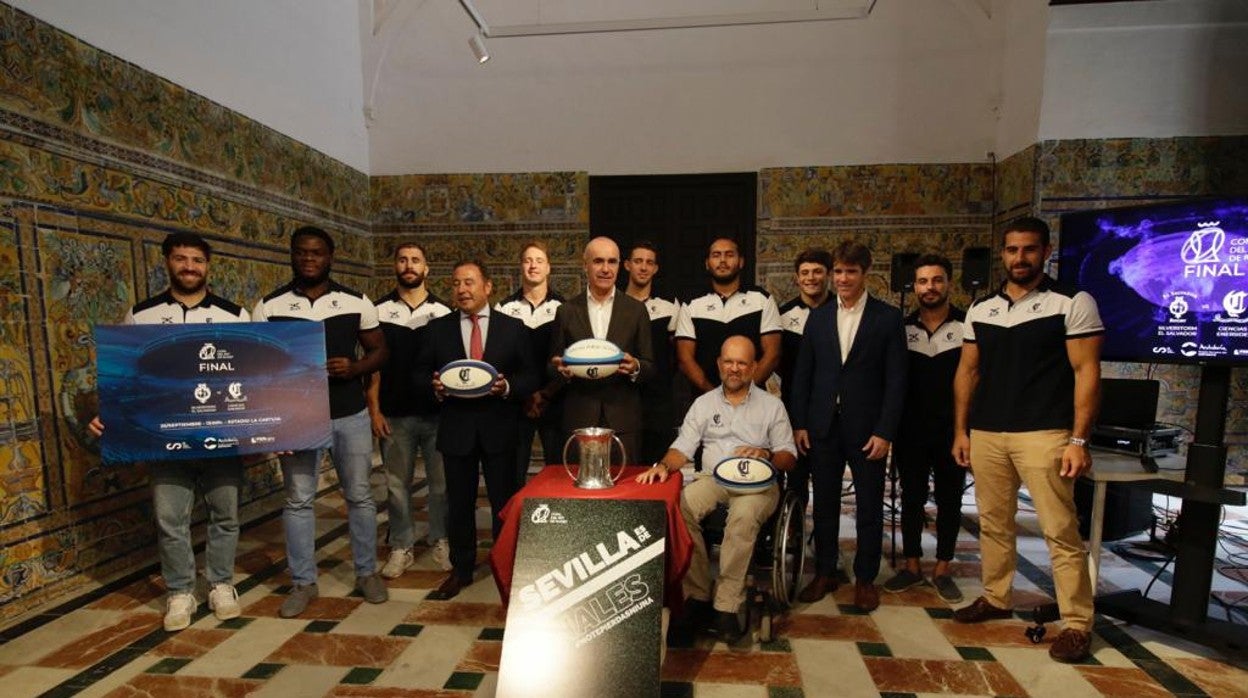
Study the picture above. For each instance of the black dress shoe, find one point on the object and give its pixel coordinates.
(726, 626)
(448, 589)
(818, 588)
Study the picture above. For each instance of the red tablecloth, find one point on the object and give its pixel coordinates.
(553, 481)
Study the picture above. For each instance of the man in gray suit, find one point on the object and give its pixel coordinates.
(602, 313)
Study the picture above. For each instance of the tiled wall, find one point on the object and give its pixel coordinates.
(99, 160)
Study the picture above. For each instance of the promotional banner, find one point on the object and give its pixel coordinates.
(215, 389)
(585, 616)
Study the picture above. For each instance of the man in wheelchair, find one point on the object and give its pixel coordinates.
(738, 419)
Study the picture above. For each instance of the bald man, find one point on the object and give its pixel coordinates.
(737, 418)
(601, 312)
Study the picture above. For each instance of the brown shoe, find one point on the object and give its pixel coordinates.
(818, 588)
(448, 589)
(866, 596)
(1071, 646)
(979, 611)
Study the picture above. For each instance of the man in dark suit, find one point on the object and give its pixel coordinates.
(480, 431)
(602, 313)
(848, 388)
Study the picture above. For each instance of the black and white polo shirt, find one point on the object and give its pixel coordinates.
(663, 312)
(539, 319)
(345, 313)
(793, 316)
(164, 309)
(404, 327)
(933, 358)
(712, 318)
(1026, 382)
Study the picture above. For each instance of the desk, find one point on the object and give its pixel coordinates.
(553, 481)
(1107, 467)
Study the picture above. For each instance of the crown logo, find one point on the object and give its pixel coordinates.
(1208, 224)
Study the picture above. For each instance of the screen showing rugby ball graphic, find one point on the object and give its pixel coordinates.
(592, 358)
(468, 378)
(740, 475)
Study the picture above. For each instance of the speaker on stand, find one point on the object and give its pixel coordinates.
(901, 280)
(975, 269)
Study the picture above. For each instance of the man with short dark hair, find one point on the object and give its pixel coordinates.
(535, 304)
(1026, 394)
(187, 300)
(658, 420)
(934, 340)
(739, 419)
(729, 309)
(810, 274)
(477, 436)
(848, 387)
(406, 420)
(350, 321)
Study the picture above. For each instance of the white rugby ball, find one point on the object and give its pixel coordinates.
(468, 378)
(741, 475)
(592, 358)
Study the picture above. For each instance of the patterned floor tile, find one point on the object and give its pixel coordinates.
(457, 613)
(148, 591)
(1121, 681)
(91, 648)
(430, 658)
(698, 665)
(820, 627)
(321, 608)
(1214, 677)
(339, 650)
(481, 657)
(148, 685)
(940, 676)
(997, 633)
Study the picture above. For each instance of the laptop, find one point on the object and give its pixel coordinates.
(1129, 403)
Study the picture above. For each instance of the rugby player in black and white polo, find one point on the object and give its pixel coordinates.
(729, 309)
(188, 300)
(1025, 396)
(535, 304)
(350, 320)
(658, 413)
(406, 420)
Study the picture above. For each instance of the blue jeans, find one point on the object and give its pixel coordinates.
(173, 499)
(352, 453)
(398, 452)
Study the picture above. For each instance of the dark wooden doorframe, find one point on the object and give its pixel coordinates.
(681, 215)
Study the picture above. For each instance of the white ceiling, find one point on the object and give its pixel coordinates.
(916, 81)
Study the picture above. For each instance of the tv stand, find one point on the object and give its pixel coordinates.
(1187, 614)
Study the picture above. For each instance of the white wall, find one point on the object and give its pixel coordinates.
(1146, 69)
(914, 82)
(293, 65)
(1021, 74)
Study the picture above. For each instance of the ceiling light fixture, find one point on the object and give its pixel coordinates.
(477, 43)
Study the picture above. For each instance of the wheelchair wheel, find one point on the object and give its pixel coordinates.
(788, 549)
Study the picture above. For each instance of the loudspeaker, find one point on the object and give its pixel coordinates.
(1128, 509)
(903, 271)
(975, 267)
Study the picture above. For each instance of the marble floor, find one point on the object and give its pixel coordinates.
(112, 644)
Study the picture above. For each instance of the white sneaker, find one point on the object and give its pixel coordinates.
(442, 555)
(179, 607)
(223, 600)
(398, 563)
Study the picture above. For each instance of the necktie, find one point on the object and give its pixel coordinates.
(475, 346)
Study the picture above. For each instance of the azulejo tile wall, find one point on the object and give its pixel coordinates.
(483, 216)
(99, 160)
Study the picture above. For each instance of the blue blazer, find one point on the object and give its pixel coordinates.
(490, 421)
(871, 384)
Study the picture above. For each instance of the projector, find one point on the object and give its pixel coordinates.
(1151, 442)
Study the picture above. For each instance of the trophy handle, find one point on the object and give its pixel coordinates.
(566, 445)
(623, 459)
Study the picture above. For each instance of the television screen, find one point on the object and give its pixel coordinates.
(1171, 280)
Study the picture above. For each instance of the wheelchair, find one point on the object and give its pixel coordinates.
(778, 561)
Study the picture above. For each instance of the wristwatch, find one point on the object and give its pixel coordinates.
(1076, 441)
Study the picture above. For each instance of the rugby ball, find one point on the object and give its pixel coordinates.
(468, 378)
(592, 358)
(740, 475)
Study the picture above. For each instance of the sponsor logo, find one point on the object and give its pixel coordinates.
(1178, 308)
(177, 446)
(296, 306)
(212, 443)
(235, 391)
(1035, 307)
(592, 372)
(166, 320)
(212, 359)
(544, 515)
(208, 352)
(1188, 349)
(202, 393)
(993, 312)
(394, 315)
(1234, 303)
(715, 418)
(463, 375)
(743, 467)
(262, 439)
(1162, 350)
(1204, 244)
(912, 337)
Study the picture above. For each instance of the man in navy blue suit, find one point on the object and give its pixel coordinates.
(476, 432)
(848, 388)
